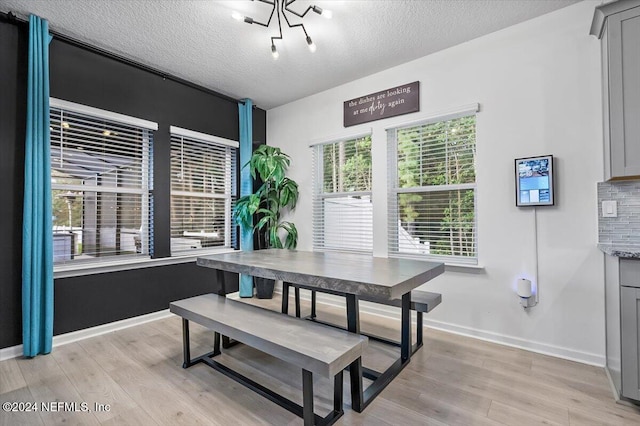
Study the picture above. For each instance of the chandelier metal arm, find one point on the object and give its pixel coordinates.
(249, 20)
(280, 9)
(279, 24)
(285, 3)
(286, 7)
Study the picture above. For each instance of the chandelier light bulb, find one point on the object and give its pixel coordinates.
(312, 45)
(237, 16)
(322, 12)
(274, 52)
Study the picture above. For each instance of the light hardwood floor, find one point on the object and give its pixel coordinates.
(452, 380)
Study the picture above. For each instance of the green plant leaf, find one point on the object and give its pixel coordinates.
(291, 240)
(274, 240)
(289, 193)
(262, 222)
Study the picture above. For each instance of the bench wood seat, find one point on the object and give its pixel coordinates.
(312, 347)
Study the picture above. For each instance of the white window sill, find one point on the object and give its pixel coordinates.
(78, 270)
(462, 266)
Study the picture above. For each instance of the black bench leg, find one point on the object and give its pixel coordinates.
(313, 303)
(186, 350)
(227, 343)
(337, 393)
(405, 347)
(419, 330)
(216, 344)
(355, 368)
(285, 298)
(307, 398)
(297, 291)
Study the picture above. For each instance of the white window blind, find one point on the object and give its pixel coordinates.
(203, 188)
(432, 190)
(100, 185)
(342, 208)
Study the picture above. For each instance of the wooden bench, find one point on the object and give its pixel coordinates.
(421, 301)
(312, 347)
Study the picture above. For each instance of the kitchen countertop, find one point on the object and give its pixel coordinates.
(620, 250)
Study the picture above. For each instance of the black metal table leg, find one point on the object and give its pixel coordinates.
(355, 369)
(216, 343)
(186, 350)
(297, 291)
(313, 303)
(419, 329)
(307, 398)
(337, 393)
(405, 341)
(285, 298)
(222, 291)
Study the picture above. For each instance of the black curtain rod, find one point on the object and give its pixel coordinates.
(13, 19)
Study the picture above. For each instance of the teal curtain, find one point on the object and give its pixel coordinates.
(37, 229)
(245, 110)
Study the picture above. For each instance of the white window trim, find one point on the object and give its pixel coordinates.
(102, 113)
(393, 190)
(91, 268)
(71, 268)
(228, 197)
(317, 191)
(443, 115)
(341, 138)
(192, 134)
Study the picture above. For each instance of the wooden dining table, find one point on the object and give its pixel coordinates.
(352, 275)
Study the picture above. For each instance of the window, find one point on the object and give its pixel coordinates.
(342, 208)
(203, 188)
(432, 194)
(100, 166)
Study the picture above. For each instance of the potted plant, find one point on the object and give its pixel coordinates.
(276, 194)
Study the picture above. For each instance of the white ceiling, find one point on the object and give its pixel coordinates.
(200, 42)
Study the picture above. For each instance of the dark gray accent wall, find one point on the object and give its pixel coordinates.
(85, 76)
(13, 93)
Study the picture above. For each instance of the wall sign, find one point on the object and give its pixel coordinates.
(387, 103)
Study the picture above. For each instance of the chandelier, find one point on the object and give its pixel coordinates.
(280, 8)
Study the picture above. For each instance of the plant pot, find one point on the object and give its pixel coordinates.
(264, 287)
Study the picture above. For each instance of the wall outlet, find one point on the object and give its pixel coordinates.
(609, 209)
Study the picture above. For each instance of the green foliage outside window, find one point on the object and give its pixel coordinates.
(437, 157)
(347, 166)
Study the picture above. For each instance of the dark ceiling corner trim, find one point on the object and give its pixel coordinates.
(13, 19)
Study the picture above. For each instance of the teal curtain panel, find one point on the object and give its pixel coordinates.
(37, 237)
(245, 111)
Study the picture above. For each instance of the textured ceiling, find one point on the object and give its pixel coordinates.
(200, 42)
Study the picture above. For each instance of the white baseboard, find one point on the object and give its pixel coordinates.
(614, 391)
(502, 339)
(336, 301)
(519, 343)
(74, 336)
(11, 352)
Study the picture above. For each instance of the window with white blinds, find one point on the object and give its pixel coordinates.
(203, 189)
(342, 208)
(100, 167)
(432, 190)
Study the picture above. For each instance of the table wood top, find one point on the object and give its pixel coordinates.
(385, 278)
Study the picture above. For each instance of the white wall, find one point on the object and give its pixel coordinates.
(538, 85)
